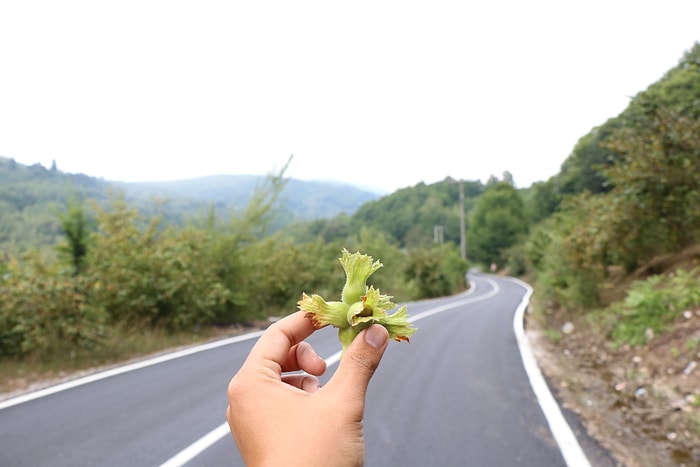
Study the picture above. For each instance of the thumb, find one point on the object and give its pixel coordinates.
(359, 362)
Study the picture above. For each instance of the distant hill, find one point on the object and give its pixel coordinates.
(304, 200)
(29, 196)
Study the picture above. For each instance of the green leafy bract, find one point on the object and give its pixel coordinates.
(360, 305)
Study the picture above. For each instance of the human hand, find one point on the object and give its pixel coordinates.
(290, 420)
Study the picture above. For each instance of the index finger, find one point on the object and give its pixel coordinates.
(275, 343)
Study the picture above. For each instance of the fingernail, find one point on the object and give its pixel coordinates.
(376, 336)
(310, 385)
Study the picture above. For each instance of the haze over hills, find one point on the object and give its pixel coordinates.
(305, 200)
(30, 194)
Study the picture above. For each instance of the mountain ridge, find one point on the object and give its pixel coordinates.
(30, 195)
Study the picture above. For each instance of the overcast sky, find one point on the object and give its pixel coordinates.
(380, 93)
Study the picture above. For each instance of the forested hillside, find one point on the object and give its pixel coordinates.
(30, 197)
(299, 200)
(614, 256)
(628, 192)
(408, 216)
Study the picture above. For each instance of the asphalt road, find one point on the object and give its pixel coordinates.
(456, 395)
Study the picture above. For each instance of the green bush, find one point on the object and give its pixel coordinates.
(149, 275)
(653, 304)
(436, 271)
(43, 308)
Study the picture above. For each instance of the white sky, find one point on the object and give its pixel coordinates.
(379, 93)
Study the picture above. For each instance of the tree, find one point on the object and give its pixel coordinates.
(541, 200)
(508, 178)
(498, 222)
(76, 228)
(657, 188)
(583, 169)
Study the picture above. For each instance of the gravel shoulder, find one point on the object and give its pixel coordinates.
(641, 404)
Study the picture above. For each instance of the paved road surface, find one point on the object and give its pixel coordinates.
(457, 395)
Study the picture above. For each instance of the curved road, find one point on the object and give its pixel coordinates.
(457, 395)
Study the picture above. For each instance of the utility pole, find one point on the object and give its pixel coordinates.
(462, 235)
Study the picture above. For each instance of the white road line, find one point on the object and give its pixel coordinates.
(206, 441)
(124, 369)
(563, 435)
(449, 306)
(199, 446)
(221, 431)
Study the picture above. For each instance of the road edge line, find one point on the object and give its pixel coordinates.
(563, 434)
(97, 376)
(199, 446)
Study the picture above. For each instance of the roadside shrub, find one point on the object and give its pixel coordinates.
(149, 275)
(516, 260)
(43, 309)
(277, 271)
(436, 271)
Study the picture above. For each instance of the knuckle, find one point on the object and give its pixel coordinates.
(364, 361)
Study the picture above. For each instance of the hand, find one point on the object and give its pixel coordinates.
(290, 420)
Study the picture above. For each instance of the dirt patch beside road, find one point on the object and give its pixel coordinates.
(643, 403)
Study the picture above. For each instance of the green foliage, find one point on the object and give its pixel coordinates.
(277, 271)
(436, 271)
(30, 195)
(410, 214)
(646, 307)
(560, 253)
(553, 335)
(516, 263)
(497, 223)
(654, 303)
(147, 275)
(229, 253)
(582, 171)
(541, 200)
(680, 87)
(656, 183)
(685, 287)
(76, 228)
(41, 307)
(628, 192)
